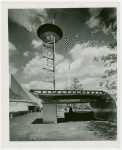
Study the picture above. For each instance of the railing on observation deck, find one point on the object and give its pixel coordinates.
(67, 92)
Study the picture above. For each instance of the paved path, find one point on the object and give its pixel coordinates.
(21, 129)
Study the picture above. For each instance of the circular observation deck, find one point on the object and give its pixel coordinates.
(48, 32)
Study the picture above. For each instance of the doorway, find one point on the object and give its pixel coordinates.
(31, 109)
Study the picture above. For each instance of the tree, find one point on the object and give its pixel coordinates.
(108, 82)
(74, 85)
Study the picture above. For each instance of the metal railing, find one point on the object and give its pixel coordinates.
(67, 92)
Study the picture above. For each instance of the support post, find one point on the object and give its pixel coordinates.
(49, 113)
(54, 62)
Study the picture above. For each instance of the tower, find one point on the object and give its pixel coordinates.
(50, 34)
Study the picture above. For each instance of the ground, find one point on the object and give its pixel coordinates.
(22, 129)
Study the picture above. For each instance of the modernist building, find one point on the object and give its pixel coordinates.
(20, 99)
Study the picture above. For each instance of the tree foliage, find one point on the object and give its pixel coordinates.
(108, 82)
(74, 85)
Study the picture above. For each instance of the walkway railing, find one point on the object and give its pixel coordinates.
(67, 92)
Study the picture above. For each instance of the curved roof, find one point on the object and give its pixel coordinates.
(47, 30)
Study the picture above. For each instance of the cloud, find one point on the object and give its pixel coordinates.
(91, 83)
(62, 66)
(88, 84)
(92, 22)
(37, 53)
(36, 44)
(12, 49)
(12, 69)
(95, 11)
(58, 58)
(38, 85)
(85, 50)
(103, 19)
(60, 85)
(82, 62)
(26, 53)
(88, 72)
(28, 18)
(82, 66)
(33, 67)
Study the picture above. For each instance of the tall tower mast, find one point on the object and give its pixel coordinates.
(49, 34)
(69, 73)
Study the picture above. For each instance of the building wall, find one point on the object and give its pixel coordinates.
(17, 106)
(17, 89)
(16, 92)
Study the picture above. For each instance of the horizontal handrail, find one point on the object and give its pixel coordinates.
(67, 91)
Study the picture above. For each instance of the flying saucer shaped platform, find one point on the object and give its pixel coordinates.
(48, 32)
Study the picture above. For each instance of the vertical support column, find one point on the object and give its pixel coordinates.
(54, 62)
(50, 113)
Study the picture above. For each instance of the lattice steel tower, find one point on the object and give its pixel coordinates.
(49, 34)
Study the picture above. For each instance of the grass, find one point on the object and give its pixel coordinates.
(104, 128)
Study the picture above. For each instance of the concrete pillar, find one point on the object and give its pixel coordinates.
(50, 113)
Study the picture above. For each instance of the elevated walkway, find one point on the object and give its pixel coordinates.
(102, 104)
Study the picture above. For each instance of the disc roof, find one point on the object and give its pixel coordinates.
(47, 29)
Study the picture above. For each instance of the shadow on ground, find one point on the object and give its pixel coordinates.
(30, 128)
(60, 120)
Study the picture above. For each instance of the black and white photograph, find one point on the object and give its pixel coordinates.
(63, 74)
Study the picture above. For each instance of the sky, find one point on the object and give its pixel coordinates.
(91, 29)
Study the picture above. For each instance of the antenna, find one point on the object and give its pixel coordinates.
(69, 73)
(54, 18)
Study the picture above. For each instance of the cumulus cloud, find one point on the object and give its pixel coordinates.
(84, 50)
(33, 67)
(62, 66)
(38, 85)
(12, 49)
(36, 44)
(58, 58)
(88, 72)
(12, 69)
(26, 53)
(82, 62)
(60, 85)
(88, 84)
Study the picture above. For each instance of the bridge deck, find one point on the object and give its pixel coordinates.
(67, 91)
(69, 94)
